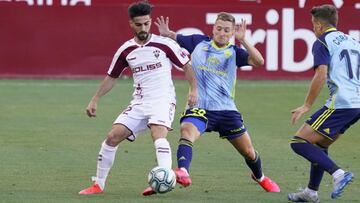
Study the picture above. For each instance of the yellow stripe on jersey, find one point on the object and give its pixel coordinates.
(332, 104)
(319, 121)
(233, 90)
(323, 43)
(328, 30)
(219, 48)
(297, 140)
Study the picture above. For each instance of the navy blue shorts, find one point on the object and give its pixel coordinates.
(229, 124)
(331, 122)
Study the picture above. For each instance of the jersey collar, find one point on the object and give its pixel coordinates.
(330, 29)
(218, 48)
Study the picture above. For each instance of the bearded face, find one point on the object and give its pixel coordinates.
(141, 27)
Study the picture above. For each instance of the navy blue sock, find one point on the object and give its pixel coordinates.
(184, 154)
(316, 173)
(313, 154)
(255, 166)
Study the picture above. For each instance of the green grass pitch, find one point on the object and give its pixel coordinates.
(49, 147)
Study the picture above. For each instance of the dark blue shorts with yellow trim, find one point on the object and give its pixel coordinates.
(229, 124)
(331, 122)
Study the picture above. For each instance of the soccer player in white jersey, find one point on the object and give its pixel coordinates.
(215, 62)
(150, 58)
(337, 62)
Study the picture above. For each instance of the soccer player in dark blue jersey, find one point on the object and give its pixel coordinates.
(215, 61)
(337, 61)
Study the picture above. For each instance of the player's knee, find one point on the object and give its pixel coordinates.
(248, 153)
(297, 143)
(113, 139)
(189, 133)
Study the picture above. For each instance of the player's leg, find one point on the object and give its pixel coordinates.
(304, 144)
(160, 124)
(323, 128)
(232, 128)
(162, 146)
(316, 172)
(310, 194)
(192, 125)
(162, 150)
(106, 158)
(243, 145)
(189, 134)
(124, 127)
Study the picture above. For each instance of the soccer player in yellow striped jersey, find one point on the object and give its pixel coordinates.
(337, 62)
(215, 61)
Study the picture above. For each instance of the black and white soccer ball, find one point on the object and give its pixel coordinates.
(162, 180)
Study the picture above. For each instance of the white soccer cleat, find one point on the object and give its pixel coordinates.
(303, 196)
(340, 183)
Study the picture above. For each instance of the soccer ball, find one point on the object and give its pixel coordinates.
(162, 180)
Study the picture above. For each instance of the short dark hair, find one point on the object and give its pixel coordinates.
(140, 8)
(325, 13)
(225, 17)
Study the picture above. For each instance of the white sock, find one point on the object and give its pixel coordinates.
(163, 153)
(338, 173)
(261, 179)
(105, 161)
(185, 170)
(310, 191)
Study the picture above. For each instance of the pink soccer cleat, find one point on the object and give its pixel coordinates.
(182, 177)
(94, 189)
(267, 184)
(148, 191)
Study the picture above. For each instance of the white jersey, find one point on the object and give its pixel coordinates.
(151, 66)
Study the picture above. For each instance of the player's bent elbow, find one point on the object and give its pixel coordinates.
(257, 62)
(260, 62)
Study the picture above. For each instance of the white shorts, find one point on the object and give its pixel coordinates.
(137, 116)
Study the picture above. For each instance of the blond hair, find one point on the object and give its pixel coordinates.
(225, 17)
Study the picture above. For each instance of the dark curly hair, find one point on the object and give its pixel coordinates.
(140, 8)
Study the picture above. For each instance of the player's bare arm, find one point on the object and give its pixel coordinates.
(106, 85)
(163, 26)
(316, 85)
(255, 57)
(193, 92)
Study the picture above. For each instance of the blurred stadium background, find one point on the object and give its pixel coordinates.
(77, 38)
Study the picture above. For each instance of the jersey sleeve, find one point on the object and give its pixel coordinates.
(321, 54)
(176, 54)
(242, 57)
(189, 42)
(119, 63)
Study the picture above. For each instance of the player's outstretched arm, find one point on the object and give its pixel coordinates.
(316, 85)
(106, 85)
(190, 77)
(163, 26)
(255, 57)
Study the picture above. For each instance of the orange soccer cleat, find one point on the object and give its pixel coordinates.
(182, 177)
(267, 184)
(94, 189)
(148, 191)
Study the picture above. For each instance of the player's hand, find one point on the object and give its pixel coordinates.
(240, 30)
(192, 98)
(91, 109)
(298, 112)
(163, 25)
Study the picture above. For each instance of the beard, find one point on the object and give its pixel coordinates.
(142, 36)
